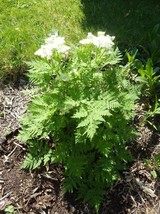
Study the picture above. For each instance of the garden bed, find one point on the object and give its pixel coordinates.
(41, 191)
(137, 190)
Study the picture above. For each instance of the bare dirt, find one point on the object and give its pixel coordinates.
(41, 191)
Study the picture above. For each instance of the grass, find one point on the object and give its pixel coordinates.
(25, 24)
(130, 21)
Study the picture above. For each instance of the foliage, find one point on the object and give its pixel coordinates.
(39, 153)
(83, 104)
(153, 111)
(20, 37)
(10, 209)
(151, 49)
(154, 165)
(148, 76)
(148, 73)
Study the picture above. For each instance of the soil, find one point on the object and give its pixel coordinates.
(41, 191)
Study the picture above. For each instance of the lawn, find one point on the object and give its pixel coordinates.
(24, 25)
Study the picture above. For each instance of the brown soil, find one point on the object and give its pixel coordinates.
(41, 191)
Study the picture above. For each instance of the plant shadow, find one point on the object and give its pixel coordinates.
(130, 21)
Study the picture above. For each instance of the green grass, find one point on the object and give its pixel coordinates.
(24, 24)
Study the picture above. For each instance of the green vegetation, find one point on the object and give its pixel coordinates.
(130, 21)
(154, 165)
(24, 25)
(146, 74)
(10, 210)
(84, 102)
(84, 108)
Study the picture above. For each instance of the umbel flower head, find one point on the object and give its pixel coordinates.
(54, 42)
(101, 40)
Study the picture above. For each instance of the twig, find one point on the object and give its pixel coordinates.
(12, 151)
(5, 196)
(1, 181)
(17, 144)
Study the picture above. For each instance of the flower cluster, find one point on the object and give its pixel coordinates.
(54, 42)
(101, 40)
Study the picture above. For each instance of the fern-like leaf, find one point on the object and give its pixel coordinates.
(94, 113)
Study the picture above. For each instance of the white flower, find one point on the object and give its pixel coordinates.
(85, 41)
(101, 33)
(90, 36)
(75, 71)
(101, 40)
(89, 40)
(44, 51)
(54, 42)
(51, 38)
(63, 49)
(104, 42)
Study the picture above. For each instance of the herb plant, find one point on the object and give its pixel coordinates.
(10, 209)
(154, 165)
(148, 76)
(151, 114)
(149, 80)
(82, 109)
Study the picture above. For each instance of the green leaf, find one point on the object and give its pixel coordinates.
(149, 68)
(47, 157)
(154, 174)
(142, 79)
(10, 209)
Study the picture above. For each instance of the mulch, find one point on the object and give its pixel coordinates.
(41, 191)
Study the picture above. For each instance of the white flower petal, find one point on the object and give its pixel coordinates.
(63, 49)
(90, 35)
(100, 41)
(101, 33)
(54, 42)
(85, 41)
(44, 51)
